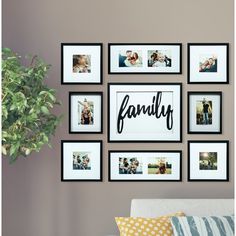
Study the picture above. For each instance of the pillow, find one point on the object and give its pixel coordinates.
(203, 226)
(139, 226)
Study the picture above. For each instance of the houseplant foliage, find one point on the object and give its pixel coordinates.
(27, 122)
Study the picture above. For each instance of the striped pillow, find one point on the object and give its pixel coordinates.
(203, 226)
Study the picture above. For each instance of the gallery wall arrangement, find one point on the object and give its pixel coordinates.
(145, 112)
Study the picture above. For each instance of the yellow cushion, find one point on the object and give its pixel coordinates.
(138, 226)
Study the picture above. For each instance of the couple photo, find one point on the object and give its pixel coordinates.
(130, 59)
(208, 64)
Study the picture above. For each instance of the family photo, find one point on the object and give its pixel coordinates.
(208, 63)
(159, 165)
(130, 58)
(130, 166)
(208, 160)
(204, 112)
(159, 58)
(81, 161)
(85, 112)
(81, 63)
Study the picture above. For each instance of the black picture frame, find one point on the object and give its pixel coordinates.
(144, 151)
(87, 45)
(101, 162)
(208, 44)
(95, 93)
(144, 44)
(227, 160)
(220, 94)
(142, 141)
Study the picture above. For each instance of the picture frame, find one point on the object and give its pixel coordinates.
(81, 63)
(81, 160)
(208, 63)
(145, 112)
(208, 160)
(145, 58)
(85, 112)
(205, 112)
(145, 166)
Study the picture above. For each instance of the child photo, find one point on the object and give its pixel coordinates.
(85, 112)
(204, 112)
(81, 161)
(130, 165)
(159, 58)
(81, 63)
(208, 160)
(130, 58)
(208, 63)
(159, 165)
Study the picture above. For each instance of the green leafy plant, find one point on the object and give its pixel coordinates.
(27, 122)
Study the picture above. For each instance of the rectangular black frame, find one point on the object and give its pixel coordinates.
(85, 93)
(199, 93)
(227, 160)
(144, 151)
(143, 141)
(101, 162)
(143, 44)
(81, 44)
(209, 44)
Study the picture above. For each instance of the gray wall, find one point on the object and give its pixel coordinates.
(35, 201)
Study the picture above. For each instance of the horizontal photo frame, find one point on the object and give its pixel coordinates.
(81, 160)
(145, 112)
(144, 58)
(208, 160)
(205, 112)
(85, 112)
(148, 165)
(81, 63)
(208, 63)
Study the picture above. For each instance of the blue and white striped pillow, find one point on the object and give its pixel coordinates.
(203, 226)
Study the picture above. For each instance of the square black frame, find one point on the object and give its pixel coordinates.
(101, 162)
(144, 44)
(209, 44)
(144, 151)
(85, 93)
(81, 44)
(219, 93)
(143, 141)
(227, 161)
